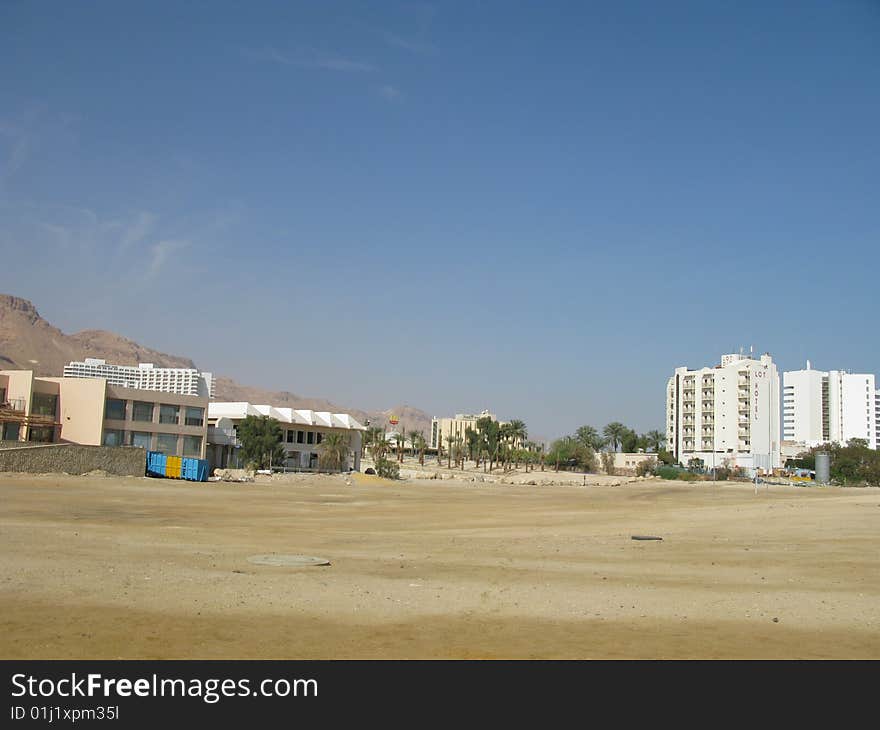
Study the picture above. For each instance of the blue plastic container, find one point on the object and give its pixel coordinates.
(195, 470)
(156, 462)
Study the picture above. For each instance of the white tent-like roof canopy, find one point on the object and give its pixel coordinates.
(300, 417)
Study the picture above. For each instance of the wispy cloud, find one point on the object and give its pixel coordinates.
(414, 45)
(17, 142)
(160, 252)
(308, 58)
(33, 128)
(137, 244)
(390, 93)
(417, 18)
(137, 230)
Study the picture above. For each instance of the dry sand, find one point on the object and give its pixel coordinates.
(108, 567)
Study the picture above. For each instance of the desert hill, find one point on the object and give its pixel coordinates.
(27, 341)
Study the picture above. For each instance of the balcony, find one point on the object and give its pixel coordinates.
(13, 406)
(222, 436)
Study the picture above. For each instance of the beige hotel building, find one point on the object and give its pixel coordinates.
(92, 412)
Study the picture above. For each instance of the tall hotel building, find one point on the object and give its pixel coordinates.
(822, 407)
(726, 415)
(183, 381)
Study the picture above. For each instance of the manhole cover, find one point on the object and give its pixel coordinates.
(287, 561)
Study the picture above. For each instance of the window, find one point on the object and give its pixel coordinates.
(141, 439)
(114, 409)
(192, 446)
(10, 431)
(290, 437)
(142, 411)
(44, 404)
(166, 443)
(169, 414)
(194, 416)
(113, 437)
(310, 437)
(299, 437)
(41, 434)
(319, 437)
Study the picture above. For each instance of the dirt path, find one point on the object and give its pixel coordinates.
(138, 568)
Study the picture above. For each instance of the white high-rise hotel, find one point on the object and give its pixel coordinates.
(185, 381)
(727, 415)
(825, 407)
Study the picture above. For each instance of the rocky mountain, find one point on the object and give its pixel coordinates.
(27, 341)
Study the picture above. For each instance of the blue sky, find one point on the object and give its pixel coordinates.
(537, 208)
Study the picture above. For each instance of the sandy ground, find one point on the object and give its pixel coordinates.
(106, 567)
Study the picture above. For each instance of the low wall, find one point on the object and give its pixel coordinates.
(73, 459)
(16, 444)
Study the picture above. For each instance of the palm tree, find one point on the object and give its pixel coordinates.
(418, 443)
(334, 450)
(518, 432)
(371, 436)
(655, 440)
(505, 435)
(400, 438)
(614, 433)
(378, 449)
(589, 437)
(451, 441)
(472, 438)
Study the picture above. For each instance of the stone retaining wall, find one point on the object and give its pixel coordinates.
(73, 459)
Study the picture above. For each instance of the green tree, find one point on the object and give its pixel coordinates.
(400, 440)
(614, 433)
(569, 453)
(261, 442)
(369, 436)
(655, 440)
(472, 441)
(589, 437)
(490, 435)
(378, 449)
(334, 451)
(450, 439)
(418, 443)
(518, 432)
(608, 462)
(664, 457)
(629, 441)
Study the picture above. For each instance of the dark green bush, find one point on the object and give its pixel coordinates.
(667, 472)
(388, 469)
